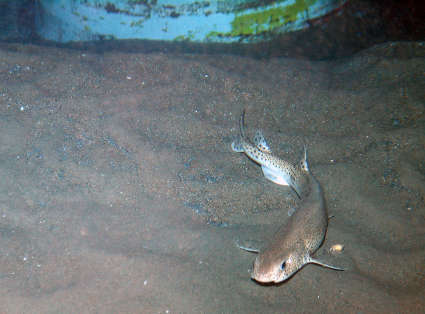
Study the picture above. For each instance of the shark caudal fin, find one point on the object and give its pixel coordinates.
(242, 124)
(237, 145)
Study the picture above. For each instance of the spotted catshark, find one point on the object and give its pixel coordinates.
(291, 247)
(274, 169)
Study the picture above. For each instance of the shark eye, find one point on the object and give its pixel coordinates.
(282, 266)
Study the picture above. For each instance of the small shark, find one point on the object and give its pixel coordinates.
(291, 247)
(274, 169)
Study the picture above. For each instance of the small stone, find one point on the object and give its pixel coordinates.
(336, 248)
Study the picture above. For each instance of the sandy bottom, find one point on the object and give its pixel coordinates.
(119, 192)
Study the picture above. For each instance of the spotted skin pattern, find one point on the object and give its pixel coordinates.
(294, 243)
(274, 168)
(292, 246)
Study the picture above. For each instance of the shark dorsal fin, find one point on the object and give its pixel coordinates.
(261, 142)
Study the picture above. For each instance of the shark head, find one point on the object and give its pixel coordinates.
(276, 269)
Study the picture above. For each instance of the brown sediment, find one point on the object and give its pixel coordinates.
(119, 191)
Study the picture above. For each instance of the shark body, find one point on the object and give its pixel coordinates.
(274, 168)
(294, 243)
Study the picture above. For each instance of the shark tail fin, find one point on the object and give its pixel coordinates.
(241, 124)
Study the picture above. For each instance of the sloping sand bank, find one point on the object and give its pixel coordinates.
(119, 192)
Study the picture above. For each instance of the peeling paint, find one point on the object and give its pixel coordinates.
(177, 20)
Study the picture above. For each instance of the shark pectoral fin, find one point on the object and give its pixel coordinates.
(237, 146)
(248, 249)
(271, 175)
(249, 246)
(278, 179)
(315, 261)
(261, 142)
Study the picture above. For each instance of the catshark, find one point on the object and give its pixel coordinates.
(294, 243)
(274, 168)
